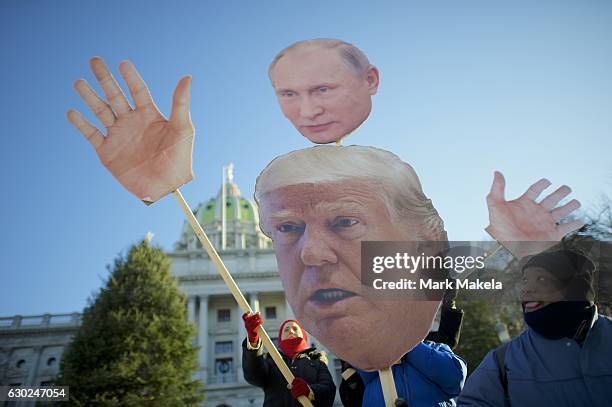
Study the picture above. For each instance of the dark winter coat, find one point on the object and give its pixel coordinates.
(310, 365)
(547, 372)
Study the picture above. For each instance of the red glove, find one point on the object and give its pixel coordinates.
(251, 323)
(299, 387)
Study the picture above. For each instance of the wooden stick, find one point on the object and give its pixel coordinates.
(233, 287)
(385, 375)
(388, 386)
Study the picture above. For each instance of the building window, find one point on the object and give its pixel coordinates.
(223, 370)
(270, 312)
(20, 363)
(223, 347)
(51, 362)
(224, 315)
(223, 366)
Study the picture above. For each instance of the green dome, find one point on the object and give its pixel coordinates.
(236, 207)
(241, 219)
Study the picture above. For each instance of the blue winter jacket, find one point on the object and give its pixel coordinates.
(429, 375)
(545, 372)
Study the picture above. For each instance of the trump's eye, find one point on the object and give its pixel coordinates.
(344, 222)
(287, 93)
(289, 228)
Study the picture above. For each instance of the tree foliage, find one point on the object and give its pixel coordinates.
(134, 346)
(595, 240)
(478, 334)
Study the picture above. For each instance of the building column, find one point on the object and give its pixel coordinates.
(191, 309)
(34, 368)
(254, 301)
(203, 338)
(288, 311)
(240, 336)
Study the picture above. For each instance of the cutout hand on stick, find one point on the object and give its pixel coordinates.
(513, 223)
(151, 156)
(148, 154)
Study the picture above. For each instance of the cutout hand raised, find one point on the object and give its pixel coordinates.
(148, 154)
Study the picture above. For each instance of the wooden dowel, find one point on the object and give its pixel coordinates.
(388, 386)
(233, 287)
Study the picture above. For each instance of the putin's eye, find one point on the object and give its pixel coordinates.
(323, 89)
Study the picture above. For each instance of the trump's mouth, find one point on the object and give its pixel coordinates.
(330, 295)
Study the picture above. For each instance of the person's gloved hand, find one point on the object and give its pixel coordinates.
(400, 402)
(251, 323)
(299, 387)
(450, 295)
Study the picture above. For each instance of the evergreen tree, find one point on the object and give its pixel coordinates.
(598, 229)
(478, 333)
(134, 346)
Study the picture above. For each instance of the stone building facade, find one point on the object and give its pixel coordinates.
(31, 348)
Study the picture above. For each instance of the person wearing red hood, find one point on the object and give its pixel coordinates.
(312, 377)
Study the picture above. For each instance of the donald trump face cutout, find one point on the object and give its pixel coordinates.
(317, 205)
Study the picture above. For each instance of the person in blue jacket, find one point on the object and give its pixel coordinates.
(429, 375)
(352, 388)
(564, 358)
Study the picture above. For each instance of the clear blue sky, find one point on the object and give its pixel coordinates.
(466, 88)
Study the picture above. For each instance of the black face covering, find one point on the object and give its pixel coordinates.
(561, 319)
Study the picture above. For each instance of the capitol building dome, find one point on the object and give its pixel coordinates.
(230, 221)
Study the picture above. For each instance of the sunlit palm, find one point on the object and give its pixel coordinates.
(149, 155)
